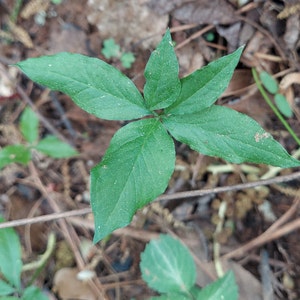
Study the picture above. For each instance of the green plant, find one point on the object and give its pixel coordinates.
(141, 157)
(112, 50)
(283, 106)
(168, 267)
(11, 267)
(272, 87)
(49, 145)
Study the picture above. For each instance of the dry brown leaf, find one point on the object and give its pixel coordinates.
(139, 24)
(289, 79)
(291, 35)
(241, 79)
(258, 43)
(205, 12)
(231, 34)
(67, 286)
(190, 59)
(163, 7)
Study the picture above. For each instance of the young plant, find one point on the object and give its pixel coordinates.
(11, 267)
(168, 267)
(272, 87)
(112, 50)
(282, 107)
(141, 157)
(50, 145)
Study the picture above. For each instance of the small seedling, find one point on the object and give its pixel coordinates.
(140, 160)
(282, 107)
(11, 268)
(272, 87)
(168, 267)
(21, 153)
(112, 50)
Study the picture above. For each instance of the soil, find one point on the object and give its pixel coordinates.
(203, 31)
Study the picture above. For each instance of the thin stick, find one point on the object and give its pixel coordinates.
(268, 235)
(198, 193)
(288, 214)
(194, 36)
(177, 196)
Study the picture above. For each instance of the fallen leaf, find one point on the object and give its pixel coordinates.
(67, 286)
(133, 14)
(205, 12)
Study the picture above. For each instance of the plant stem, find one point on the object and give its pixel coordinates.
(216, 245)
(39, 265)
(273, 107)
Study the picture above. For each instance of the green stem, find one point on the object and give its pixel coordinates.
(15, 11)
(273, 107)
(38, 265)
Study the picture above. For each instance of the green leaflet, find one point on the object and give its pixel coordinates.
(14, 154)
(167, 266)
(269, 82)
(162, 83)
(93, 85)
(224, 288)
(33, 292)
(54, 147)
(10, 256)
(29, 125)
(135, 170)
(5, 288)
(223, 132)
(203, 87)
(283, 105)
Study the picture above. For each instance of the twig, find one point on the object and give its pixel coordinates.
(198, 193)
(216, 243)
(46, 218)
(268, 235)
(287, 215)
(194, 36)
(68, 231)
(177, 196)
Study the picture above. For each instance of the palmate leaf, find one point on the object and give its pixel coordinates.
(93, 85)
(202, 88)
(223, 132)
(135, 170)
(162, 83)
